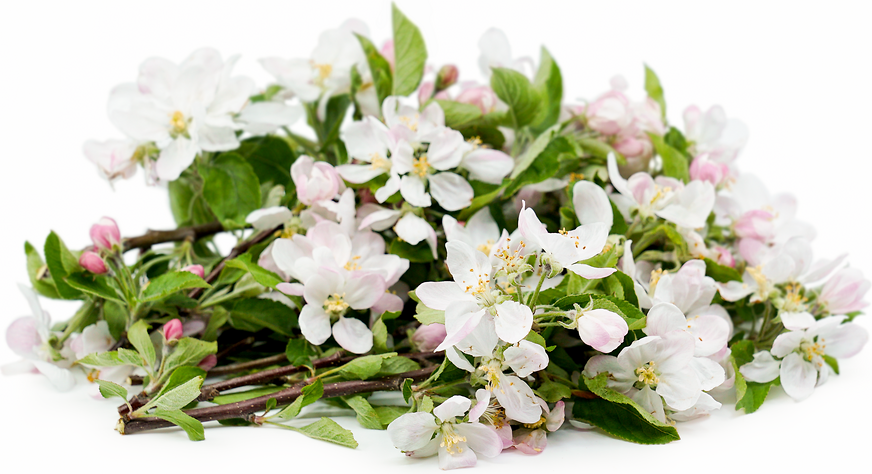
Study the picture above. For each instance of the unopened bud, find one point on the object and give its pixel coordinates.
(105, 233)
(172, 330)
(427, 338)
(196, 270)
(92, 262)
(446, 77)
(208, 362)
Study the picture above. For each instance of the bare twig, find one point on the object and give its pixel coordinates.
(154, 237)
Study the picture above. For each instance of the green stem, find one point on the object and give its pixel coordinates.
(535, 298)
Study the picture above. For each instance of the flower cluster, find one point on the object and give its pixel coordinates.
(504, 259)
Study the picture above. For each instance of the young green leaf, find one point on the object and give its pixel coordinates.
(299, 352)
(189, 352)
(518, 93)
(675, 164)
(410, 54)
(180, 376)
(544, 165)
(257, 313)
(169, 283)
(308, 395)
(364, 367)
(37, 270)
(721, 273)
(111, 389)
(549, 83)
(260, 274)
(231, 188)
(459, 115)
(192, 427)
(379, 336)
(61, 262)
(426, 316)
(179, 397)
(271, 158)
(382, 77)
(366, 415)
(236, 397)
(138, 336)
(94, 285)
(326, 429)
(655, 90)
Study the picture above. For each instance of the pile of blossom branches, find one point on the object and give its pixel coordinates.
(499, 258)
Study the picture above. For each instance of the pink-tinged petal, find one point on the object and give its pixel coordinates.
(513, 321)
(798, 377)
(531, 228)
(602, 329)
(482, 341)
(363, 290)
(105, 233)
(62, 379)
(359, 173)
(786, 343)
(459, 457)
(764, 368)
(518, 399)
(694, 204)
(525, 358)
(22, 336)
(709, 372)
(680, 389)
(589, 272)
(487, 165)
(458, 359)
(736, 290)
(377, 217)
(711, 334)
(353, 335)
(796, 321)
(269, 218)
(451, 191)
(461, 318)
(454, 407)
(439, 294)
(482, 400)
(591, 204)
(315, 324)
(292, 289)
(428, 337)
(23, 366)
(481, 439)
(554, 420)
(673, 351)
(846, 341)
(616, 179)
(412, 431)
(530, 441)
(388, 303)
(446, 149)
(664, 318)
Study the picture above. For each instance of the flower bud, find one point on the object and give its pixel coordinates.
(725, 257)
(704, 169)
(428, 337)
(446, 77)
(105, 233)
(196, 270)
(315, 181)
(208, 362)
(425, 92)
(172, 330)
(610, 113)
(483, 97)
(92, 262)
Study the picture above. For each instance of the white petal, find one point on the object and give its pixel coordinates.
(795, 321)
(412, 431)
(481, 439)
(459, 457)
(591, 203)
(62, 379)
(602, 329)
(518, 399)
(461, 318)
(786, 343)
(439, 294)
(664, 318)
(764, 368)
(798, 377)
(353, 335)
(412, 228)
(487, 165)
(651, 402)
(482, 400)
(451, 191)
(314, 324)
(513, 321)
(458, 359)
(525, 358)
(709, 372)
(269, 218)
(680, 389)
(412, 189)
(455, 406)
(589, 272)
(175, 158)
(360, 173)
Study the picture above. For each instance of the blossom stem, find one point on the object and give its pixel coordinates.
(535, 297)
(154, 237)
(247, 409)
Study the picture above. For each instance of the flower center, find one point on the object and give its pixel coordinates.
(513, 260)
(335, 303)
(421, 167)
(324, 71)
(661, 193)
(379, 162)
(486, 247)
(492, 371)
(576, 238)
(763, 285)
(410, 122)
(451, 438)
(178, 123)
(810, 350)
(647, 374)
(537, 424)
(656, 275)
(353, 263)
(793, 299)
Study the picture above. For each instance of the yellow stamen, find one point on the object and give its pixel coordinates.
(647, 374)
(335, 303)
(179, 124)
(421, 166)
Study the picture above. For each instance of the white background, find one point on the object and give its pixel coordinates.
(798, 75)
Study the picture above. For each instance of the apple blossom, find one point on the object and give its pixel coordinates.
(114, 158)
(196, 270)
(427, 337)
(531, 439)
(105, 233)
(172, 330)
(92, 262)
(844, 292)
(315, 181)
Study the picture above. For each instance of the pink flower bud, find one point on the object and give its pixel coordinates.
(446, 77)
(425, 92)
(173, 330)
(725, 257)
(482, 96)
(92, 262)
(630, 147)
(428, 337)
(105, 233)
(315, 181)
(196, 270)
(387, 50)
(208, 362)
(704, 169)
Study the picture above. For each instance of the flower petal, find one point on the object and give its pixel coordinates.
(513, 321)
(481, 439)
(798, 377)
(454, 407)
(412, 431)
(353, 335)
(314, 324)
(451, 191)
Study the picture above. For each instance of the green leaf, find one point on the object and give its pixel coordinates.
(549, 84)
(364, 367)
(410, 54)
(115, 316)
(189, 351)
(420, 253)
(628, 286)
(833, 363)
(379, 336)
(387, 414)
(721, 273)
(192, 427)
(366, 415)
(37, 270)
(553, 392)
(236, 397)
(620, 416)
(459, 115)
(308, 395)
(61, 262)
(536, 338)
(138, 336)
(326, 429)
(426, 315)
(397, 365)
(518, 93)
(619, 225)
(380, 68)
(299, 352)
(544, 165)
(258, 313)
(655, 90)
(271, 158)
(169, 283)
(674, 163)
(180, 396)
(260, 274)
(181, 376)
(111, 389)
(479, 202)
(188, 207)
(659, 233)
(407, 389)
(532, 152)
(96, 285)
(749, 395)
(231, 188)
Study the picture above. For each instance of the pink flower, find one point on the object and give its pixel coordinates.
(92, 262)
(534, 441)
(105, 233)
(844, 292)
(315, 181)
(173, 330)
(724, 256)
(610, 113)
(482, 96)
(755, 224)
(703, 168)
(196, 270)
(208, 362)
(428, 337)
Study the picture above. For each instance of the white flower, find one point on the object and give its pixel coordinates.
(269, 218)
(653, 370)
(714, 134)
(409, 226)
(686, 206)
(457, 442)
(28, 337)
(114, 158)
(496, 52)
(802, 351)
(601, 329)
(472, 299)
(568, 248)
(183, 109)
(480, 232)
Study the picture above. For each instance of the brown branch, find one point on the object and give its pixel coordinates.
(237, 251)
(154, 237)
(247, 408)
(249, 365)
